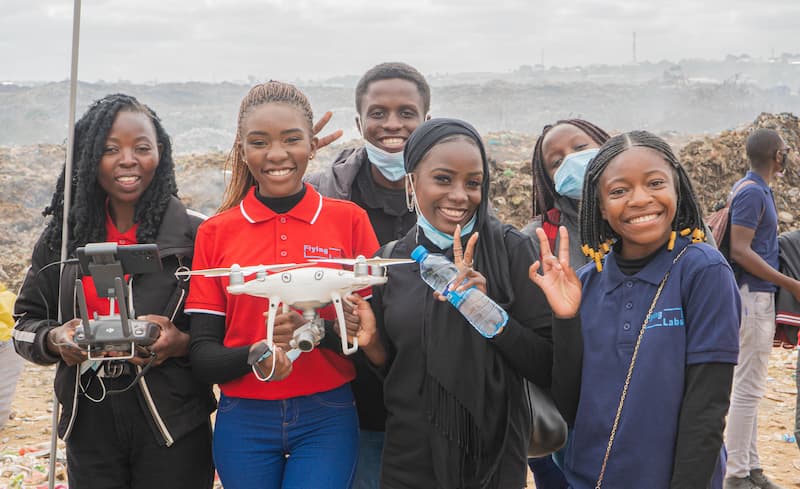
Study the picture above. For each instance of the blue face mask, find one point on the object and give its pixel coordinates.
(569, 176)
(390, 165)
(440, 239)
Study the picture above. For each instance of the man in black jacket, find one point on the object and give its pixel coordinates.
(392, 99)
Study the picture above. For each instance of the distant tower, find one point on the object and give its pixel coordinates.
(634, 47)
(542, 58)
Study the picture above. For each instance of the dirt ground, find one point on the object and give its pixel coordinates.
(713, 163)
(24, 441)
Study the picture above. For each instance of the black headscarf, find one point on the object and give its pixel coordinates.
(468, 387)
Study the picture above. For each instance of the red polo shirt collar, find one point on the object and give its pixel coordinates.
(306, 210)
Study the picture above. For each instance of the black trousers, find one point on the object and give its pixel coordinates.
(112, 446)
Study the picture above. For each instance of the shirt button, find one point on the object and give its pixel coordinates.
(283, 237)
(626, 326)
(284, 253)
(283, 220)
(629, 284)
(629, 305)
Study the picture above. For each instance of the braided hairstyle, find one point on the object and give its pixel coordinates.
(544, 190)
(596, 233)
(264, 93)
(87, 210)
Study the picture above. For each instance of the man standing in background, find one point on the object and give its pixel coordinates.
(754, 249)
(392, 99)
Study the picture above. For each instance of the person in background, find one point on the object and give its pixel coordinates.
(392, 99)
(279, 424)
(10, 363)
(667, 362)
(558, 165)
(457, 415)
(142, 423)
(754, 250)
(560, 157)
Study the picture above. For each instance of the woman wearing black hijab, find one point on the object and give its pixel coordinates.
(457, 416)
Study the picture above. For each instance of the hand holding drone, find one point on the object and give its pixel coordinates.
(307, 287)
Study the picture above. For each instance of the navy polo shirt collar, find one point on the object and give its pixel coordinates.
(307, 210)
(652, 273)
(751, 175)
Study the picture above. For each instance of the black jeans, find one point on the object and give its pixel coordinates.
(113, 446)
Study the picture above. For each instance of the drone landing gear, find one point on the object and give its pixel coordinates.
(336, 298)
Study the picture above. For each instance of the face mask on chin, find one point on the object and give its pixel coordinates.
(390, 165)
(440, 239)
(568, 178)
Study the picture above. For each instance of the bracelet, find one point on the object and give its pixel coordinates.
(257, 371)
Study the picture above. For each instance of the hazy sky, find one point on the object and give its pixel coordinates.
(216, 40)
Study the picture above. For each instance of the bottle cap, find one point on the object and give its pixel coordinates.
(419, 253)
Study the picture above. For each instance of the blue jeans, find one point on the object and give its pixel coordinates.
(297, 443)
(370, 449)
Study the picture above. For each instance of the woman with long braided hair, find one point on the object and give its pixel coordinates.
(660, 313)
(559, 161)
(558, 164)
(142, 422)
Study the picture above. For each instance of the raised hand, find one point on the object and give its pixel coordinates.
(558, 280)
(467, 276)
(321, 123)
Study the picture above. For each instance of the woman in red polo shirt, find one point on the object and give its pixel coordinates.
(300, 429)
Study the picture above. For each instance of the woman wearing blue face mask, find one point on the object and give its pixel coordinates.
(559, 162)
(454, 398)
(560, 158)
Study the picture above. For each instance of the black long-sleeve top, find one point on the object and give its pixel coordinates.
(525, 344)
(705, 401)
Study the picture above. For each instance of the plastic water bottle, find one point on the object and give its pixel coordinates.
(482, 312)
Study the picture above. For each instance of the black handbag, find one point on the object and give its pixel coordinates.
(548, 428)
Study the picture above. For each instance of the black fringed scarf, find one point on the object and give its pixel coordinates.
(468, 387)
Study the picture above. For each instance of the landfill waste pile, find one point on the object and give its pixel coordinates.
(716, 163)
(28, 175)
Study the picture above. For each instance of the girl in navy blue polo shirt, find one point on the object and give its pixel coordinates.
(639, 221)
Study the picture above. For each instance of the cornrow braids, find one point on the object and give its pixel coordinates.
(87, 212)
(544, 190)
(264, 93)
(596, 234)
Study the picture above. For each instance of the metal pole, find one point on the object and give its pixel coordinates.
(73, 86)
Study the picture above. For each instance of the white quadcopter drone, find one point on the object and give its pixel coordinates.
(306, 287)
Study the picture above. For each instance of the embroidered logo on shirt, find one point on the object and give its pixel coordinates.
(666, 318)
(313, 251)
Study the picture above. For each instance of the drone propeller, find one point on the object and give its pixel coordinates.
(249, 270)
(377, 261)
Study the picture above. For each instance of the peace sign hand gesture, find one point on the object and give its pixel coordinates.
(558, 281)
(467, 276)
